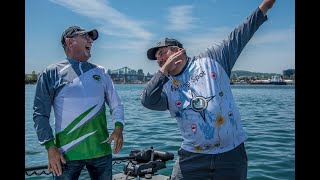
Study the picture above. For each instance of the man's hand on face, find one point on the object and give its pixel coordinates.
(173, 60)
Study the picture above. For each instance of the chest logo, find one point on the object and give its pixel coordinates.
(199, 104)
(97, 78)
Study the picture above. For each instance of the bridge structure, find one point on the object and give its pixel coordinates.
(127, 75)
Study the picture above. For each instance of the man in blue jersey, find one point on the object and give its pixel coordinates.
(196, 91)
(78, 92)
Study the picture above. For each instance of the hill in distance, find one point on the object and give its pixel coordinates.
(239, 73)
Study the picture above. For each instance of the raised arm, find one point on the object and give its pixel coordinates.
(227, 52)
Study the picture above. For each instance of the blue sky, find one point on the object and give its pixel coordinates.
(128, 28)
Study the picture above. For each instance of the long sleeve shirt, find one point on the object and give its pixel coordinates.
(78, 93)
(200, 96)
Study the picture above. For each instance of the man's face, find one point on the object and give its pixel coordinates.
(80, 47)
(162, 55)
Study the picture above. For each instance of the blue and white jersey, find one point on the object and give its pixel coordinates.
(201, 101)
(200, 96)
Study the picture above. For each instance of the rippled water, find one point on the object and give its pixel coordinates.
(268, 116)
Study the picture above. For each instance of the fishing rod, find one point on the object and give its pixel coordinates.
(140, 162)
(35, 168)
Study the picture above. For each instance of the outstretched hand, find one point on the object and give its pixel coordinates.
(117, 137)
(266, 5)
(55, 158)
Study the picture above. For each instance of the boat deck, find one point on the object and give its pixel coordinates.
(122, 176)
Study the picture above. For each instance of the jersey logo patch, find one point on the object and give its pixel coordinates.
(97, 78)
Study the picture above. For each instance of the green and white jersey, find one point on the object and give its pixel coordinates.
(78, 92)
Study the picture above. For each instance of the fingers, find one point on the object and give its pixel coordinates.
(117, 146)
(55, 168)
(58, 169)
(49, 167)
(110, 139)
(118, 141)
(177, 55)
(177, 62)
(54, 161)
(176, 58)
(62, 160)
(117, 137)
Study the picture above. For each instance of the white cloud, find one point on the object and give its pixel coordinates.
(198, 42)
(180, 18)
(112, 22)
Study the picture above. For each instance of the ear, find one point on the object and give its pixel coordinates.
(69, 41)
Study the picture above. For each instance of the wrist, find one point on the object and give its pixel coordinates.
(118, 124)
(164, 71)
(49, 144)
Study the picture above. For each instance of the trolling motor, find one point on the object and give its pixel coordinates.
(146, 162)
